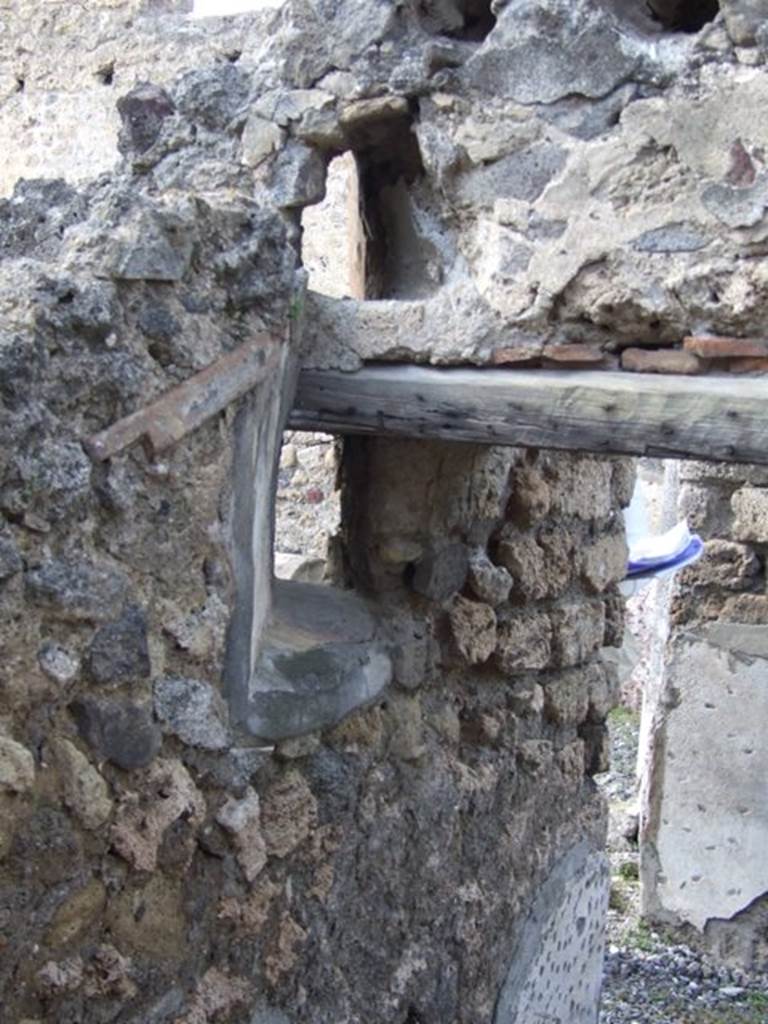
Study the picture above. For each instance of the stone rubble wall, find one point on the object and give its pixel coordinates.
(498, 569)
(597, 213)
(434, 856)
(64, 66)
(703, 815)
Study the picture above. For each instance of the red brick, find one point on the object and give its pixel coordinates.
(723, 348)
(757, 366)
(575, 353)
(641, 360)
(526, 352)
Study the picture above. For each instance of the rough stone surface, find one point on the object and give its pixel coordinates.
(526, 563)
(243, 819)
(701, 859)
(701, 810)
(120, 731)
(192, 710)
(503, 185)
(17, 766)
(577, 631)
(84, 790)
(139, 830)
(744, 19)
(519, 57)
(77, 590)
(525, 642)
(119, 652)
(491, 583)
(76, 915)
(10, 558)
(441, 573)
(474, 629)
(605, 562)
(566, 699)
(58, 663)
(750, 507)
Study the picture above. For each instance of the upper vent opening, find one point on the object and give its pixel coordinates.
(373, 236)
(389, 167)
(469, 20)
(683, 15)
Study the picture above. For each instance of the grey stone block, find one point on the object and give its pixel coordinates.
(194, 711)
(522, 175)
(58, 663)
(52, 480)
(144, 251)
(441, 573)
(679, 237)
(298, 177)
(744, 19)
(297, 692)
(10, 557)
(213, 96)
(119, 652)
(142, 112)
(77, 590)
(120, 731)
(491, 583)
(544, 50)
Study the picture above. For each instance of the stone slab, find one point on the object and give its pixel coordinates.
(706, 829)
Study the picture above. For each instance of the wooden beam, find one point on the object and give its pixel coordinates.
(185, 407)
(713, 417)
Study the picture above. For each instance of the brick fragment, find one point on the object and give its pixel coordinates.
(723, 347)
(577, 353)
(525, 353)
(755, 364)
(640, 360)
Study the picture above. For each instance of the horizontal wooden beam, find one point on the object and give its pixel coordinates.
(713, 417)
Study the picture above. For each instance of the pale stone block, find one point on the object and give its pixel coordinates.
(750, 506)
(706, 827)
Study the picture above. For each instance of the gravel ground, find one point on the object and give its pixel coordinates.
(648, 981)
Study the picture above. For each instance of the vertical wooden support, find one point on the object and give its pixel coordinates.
(258, 435)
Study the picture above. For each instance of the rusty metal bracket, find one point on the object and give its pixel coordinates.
(185, 407)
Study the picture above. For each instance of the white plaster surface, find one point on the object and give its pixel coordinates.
(219, 8)
(708, 822)
(556, 973)
(58, 115)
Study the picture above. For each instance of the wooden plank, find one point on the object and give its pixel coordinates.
(187, 406)
(258, 433)
(714, 417)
